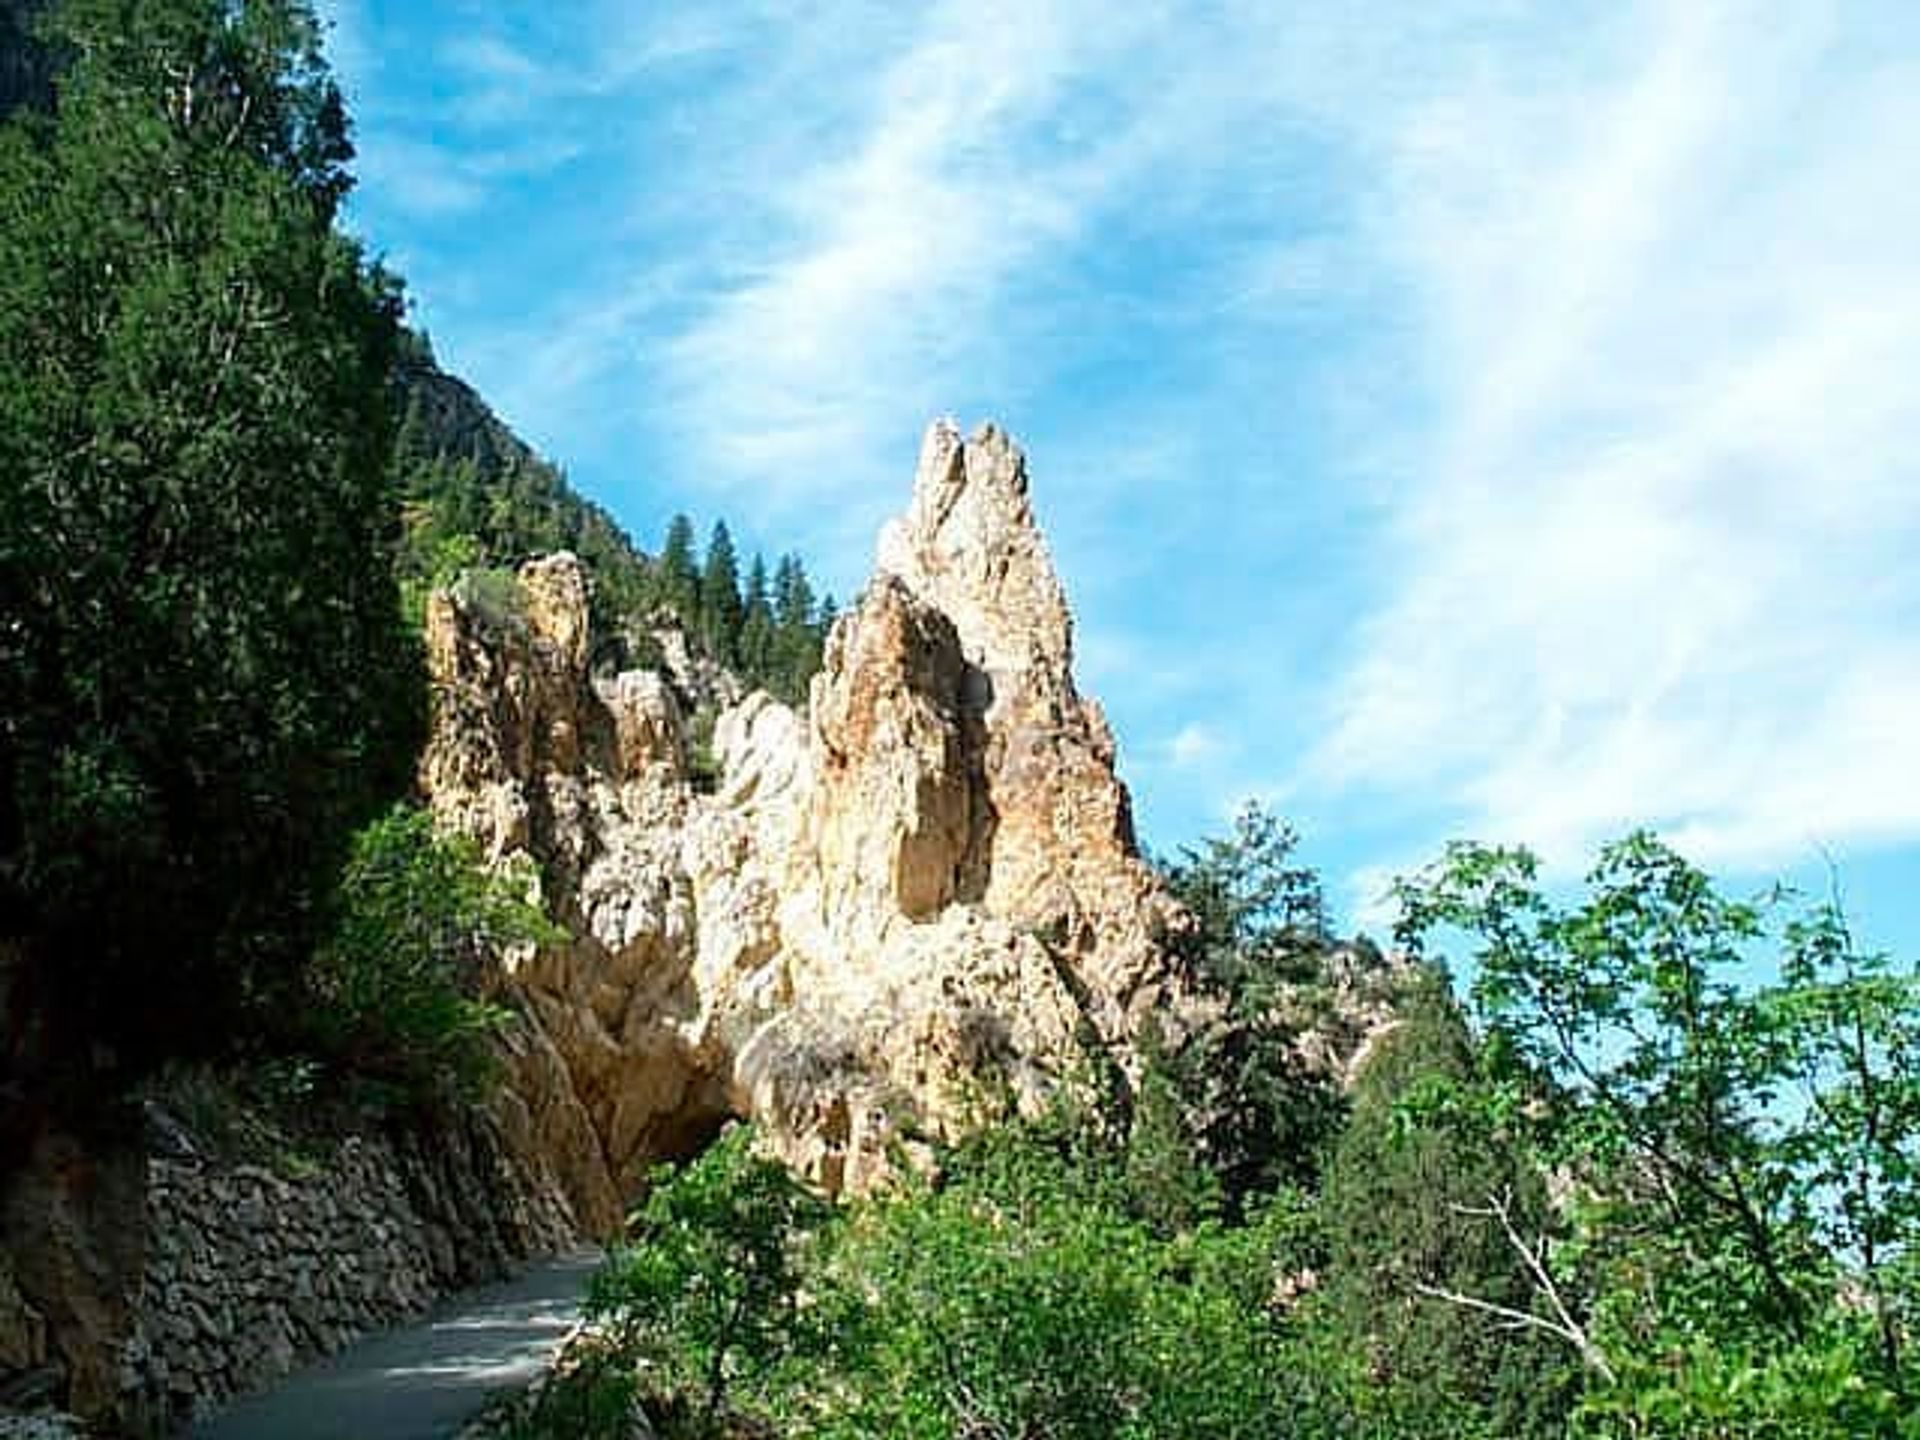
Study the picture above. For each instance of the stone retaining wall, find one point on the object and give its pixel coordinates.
(244, 1272)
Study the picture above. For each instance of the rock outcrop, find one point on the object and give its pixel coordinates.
(890, 916)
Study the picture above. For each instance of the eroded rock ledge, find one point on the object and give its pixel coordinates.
(918, 899)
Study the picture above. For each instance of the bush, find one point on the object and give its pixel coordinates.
(495, 595)
(399, 985)
(705, 1294)
(1020, 1299)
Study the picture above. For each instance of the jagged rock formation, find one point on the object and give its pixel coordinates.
(891, 914)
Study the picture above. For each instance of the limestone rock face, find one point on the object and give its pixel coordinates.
(888, 917)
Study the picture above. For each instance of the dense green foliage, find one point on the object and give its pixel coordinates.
(1259, 1114)
(1019, 1297)
(204, 685)
(1400, 1210)
(707, 1289)
(418, 920)
(1024, 1297)
(475, 497)
(1726, 1094)
(1658, 1183)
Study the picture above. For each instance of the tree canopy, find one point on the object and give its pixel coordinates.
(204, 684)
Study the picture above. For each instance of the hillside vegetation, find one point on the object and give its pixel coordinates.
(474, 496)
(1652, 1171)
(231, 473)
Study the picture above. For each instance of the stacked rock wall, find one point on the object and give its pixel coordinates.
(250, 1272)
(149, 1289)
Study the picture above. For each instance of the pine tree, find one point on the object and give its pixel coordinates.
(792, 595)
(796, 644)
(756, 627)
(679, 575)
(204, 683)
(1397, 1212)
(720, 607)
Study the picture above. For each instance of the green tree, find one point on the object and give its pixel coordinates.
(720, 605)
(204, 681)
(796, 640)
(706, 1290)
(1260, 942)
(1167, 1185)
(1729, 1234)
(792, 594)
(1844, 1023)
(1629, 1006)
(679, 574)
(1405, 1211)
(1017, 1300)
(399, 985)
(756, 626)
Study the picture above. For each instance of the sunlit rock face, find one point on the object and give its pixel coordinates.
(891, 917)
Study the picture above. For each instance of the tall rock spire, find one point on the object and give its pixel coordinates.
(924, 890)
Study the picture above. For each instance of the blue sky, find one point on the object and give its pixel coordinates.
(1450, 419)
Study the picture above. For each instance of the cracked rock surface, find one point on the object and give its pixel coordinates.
(894, 914)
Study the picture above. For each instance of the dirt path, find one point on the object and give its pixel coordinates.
(421, 1381)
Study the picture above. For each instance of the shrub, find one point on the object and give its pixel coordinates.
(495, 595)
(399, 985)
(704, 1295)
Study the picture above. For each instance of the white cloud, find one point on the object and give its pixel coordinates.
(432, 180)
(896, 241)
(1613, 314)
(491, 58)
(421, 179)
(928, 252)
(1195, 744)
(1658, 565)
(1370, 903)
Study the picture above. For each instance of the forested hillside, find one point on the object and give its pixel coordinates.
(475, 496)
(1144, 1151)
(231, 472)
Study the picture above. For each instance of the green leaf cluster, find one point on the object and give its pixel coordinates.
(1258, 1114)
(1723, 1092)
(705, 1293)
(204, 682)
(398, 987)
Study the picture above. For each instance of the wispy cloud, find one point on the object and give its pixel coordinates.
(1497, 421)
(1194, 744)
(925, 223)
(1659, 569)
(896, 245)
